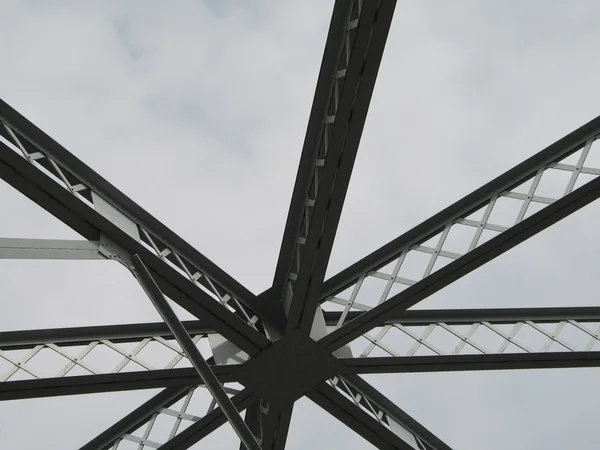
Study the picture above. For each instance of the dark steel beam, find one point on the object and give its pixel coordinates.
(462, 208)
(357, 419)
(425, 317)
(136, 418)
(253, 421)
(113, 382)
(17, 340)
(207, 424)
(299, 211)
(275, 427)
(392, 411)
(210, 380)
(57, 200)
(35, 139)
(455, 363)
(349, 119)
(464, 265)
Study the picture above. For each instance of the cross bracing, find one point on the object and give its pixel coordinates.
(306, 336)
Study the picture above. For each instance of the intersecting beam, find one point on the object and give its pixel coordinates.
(400, 422)
(31, 181)
(509, 237)
(111, 382)
(136, 418)
(207, 424)
(351, 61)
(374, 430)
(457, 363)
(155, 295)
(462, 208)
(462, 266)
(64, 186)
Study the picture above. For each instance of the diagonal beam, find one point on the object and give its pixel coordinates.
(500, 186)
(53, 168)
(341, 126)
(483, 199)
(360, 416)
(209, 423)
(142, 274)
(399, 421)
(136, 418)
(112, 382)
(32, 181)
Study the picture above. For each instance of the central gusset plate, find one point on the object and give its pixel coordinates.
(288, 369)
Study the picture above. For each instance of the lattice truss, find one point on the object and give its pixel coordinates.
(305, 336)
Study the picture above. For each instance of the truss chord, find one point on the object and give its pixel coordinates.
(362, 66)
(111, 382)
(470, 261)
(40, 188)
(95, 192)
(484, 197)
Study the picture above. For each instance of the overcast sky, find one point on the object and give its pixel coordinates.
(197, 111)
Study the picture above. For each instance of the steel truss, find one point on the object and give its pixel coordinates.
(305, 336)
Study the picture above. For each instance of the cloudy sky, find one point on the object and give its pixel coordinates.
(197, 111)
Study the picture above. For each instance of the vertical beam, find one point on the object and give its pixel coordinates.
(348, 119)
(301, 206)
(183, 338)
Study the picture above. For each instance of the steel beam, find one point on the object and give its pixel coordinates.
(112, 382)
(38, 146)
(547, 158)
(136, 418)
(398, 420)
(207, 424)
(45, 191)
(425, 317)
(348, 117)
(475, 256)
(12, 248)
(142, 274)
(275, 428)
(19, 340)
(464, 265)
(457, 363)
(375, 430)
(300, 213)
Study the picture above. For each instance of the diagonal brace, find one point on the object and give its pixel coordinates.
(183, 338)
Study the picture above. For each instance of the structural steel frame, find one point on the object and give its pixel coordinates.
(305, 336)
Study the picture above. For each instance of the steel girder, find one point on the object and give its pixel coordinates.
(475, 211)
(236, 325)
(353, 53)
